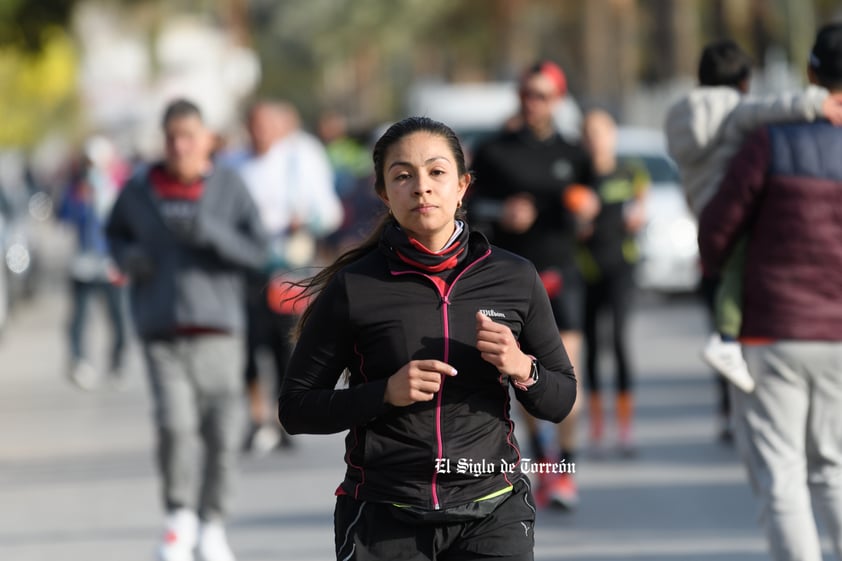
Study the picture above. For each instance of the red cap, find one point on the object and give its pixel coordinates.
(552, 71)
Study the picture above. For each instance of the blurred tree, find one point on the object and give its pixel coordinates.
(674, 30)
(22, 22)
(37, 68)
(828, 10)
(618, 19)
(798, 29)
(765, 25)
(360, 56)
(38, 87)
(682, 27)
(356, 55)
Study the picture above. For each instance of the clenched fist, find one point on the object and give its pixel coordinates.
(417, 380)
(498, 345)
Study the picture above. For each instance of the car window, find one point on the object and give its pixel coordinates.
(660, 168)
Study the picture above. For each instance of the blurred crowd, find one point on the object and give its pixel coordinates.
(214, 216)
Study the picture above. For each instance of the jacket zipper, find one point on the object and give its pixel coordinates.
(445, 303)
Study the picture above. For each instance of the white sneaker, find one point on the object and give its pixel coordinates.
(265, 439)
(180, 536)
(213, 544)
(84, 375)
(727, 358)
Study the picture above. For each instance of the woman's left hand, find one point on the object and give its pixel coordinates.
(498, 346)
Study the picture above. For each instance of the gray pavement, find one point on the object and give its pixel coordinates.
(77, 479)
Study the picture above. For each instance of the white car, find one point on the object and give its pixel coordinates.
(669, 249)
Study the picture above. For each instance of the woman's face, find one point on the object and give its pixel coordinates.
(423, 187)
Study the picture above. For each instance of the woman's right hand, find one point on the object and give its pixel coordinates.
(417, 380)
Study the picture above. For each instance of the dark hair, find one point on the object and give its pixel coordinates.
(826, 56)
(179, 109)
(724, 63)
(394, 134)
(404, 128)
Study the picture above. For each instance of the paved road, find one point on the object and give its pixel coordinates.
(77, 481)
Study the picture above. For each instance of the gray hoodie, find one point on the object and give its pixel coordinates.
(187, 279)
(705, 128)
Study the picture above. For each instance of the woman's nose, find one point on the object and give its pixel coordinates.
(423, 185)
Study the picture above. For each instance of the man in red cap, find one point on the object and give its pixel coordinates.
(522, 175)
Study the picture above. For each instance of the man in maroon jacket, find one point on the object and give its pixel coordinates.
(784, 190)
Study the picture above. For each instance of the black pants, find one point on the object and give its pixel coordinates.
(367, 531)
(613, 293)
(113, 296)
(265, 328)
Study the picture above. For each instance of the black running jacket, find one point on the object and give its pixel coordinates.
(376, 315)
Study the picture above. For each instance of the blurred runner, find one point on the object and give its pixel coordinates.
(185, 231)
(522, 175)
(431, 326)
(353, 176)
(290, 178)
(607, 256)
(85, 206)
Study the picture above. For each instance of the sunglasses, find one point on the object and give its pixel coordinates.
(535, 95)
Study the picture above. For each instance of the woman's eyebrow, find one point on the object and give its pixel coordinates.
(429, 161)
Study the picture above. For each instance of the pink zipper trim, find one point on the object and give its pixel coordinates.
(445, 300)
(439, 439)
(506, 407)
(356, 436)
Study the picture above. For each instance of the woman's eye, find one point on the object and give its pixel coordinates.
(402, 176)
(437, 172)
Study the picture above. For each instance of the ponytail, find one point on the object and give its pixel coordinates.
(313, 286)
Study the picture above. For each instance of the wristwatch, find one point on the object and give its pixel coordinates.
(533, 376)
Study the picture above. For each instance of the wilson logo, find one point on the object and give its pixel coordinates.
(492, 313)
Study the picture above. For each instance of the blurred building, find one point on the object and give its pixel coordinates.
(363, 57)
(133, 64)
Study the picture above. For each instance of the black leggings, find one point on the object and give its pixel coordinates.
(266, 328)
(613, 293)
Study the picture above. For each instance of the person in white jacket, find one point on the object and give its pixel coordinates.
(291, 180)
(704, 129)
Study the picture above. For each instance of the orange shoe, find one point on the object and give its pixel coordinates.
(541, 486)
(563, 491)
(595, 416)
(541, 492)
(542, 498)
(597, 428)
(625, 414)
